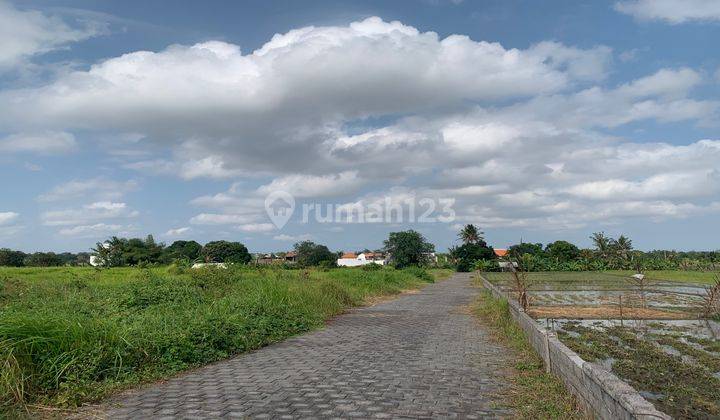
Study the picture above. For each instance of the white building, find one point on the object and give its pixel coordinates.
(350, 259)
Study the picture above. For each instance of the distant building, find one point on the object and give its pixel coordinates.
(500, 253)
(350, 259)
(291, 257)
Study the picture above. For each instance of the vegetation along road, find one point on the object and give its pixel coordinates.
(420, 355)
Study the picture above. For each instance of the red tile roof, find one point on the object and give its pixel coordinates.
(501, 252)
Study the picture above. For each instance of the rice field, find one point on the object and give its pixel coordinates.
(649, 334)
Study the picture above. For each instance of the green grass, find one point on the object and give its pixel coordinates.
(72, 335)
(698, 277)
(535, 394)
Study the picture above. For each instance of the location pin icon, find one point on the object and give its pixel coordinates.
(279, 206)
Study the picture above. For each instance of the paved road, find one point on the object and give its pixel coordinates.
(421, 355)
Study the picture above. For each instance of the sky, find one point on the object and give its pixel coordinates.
(536, 121)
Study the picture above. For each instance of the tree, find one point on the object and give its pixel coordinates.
(179, 250)
(43, 259)
(470, 234)
(225, 252)
(602, 243)
(10, 258)
(311, 254)
(467, 255)
(623, 247)
(408, 248)
(562, 251)
(527, 248)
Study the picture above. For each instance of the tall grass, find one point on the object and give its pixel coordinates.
(535, 394)
(70, 335)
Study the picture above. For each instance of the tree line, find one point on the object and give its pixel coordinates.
(408, 248)
(608, 253)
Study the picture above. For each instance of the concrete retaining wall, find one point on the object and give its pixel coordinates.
(602, 393)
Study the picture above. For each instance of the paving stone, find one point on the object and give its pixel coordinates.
(419, 356)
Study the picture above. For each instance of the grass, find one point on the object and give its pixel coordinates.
(72, 335)
(535, 394)
(697, 277)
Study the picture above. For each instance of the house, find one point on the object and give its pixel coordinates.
(266, 259)
(501, 253)
(291, 257)
(350, 259)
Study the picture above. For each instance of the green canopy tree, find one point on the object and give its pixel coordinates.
(408, 248)
(182, 250)
(225, 252)
(311, 254)
(562, 251)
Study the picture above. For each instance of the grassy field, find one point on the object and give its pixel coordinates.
(535, 394)
(71, 335)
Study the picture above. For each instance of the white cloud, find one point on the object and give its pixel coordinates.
(292, 238)
(222, 219)
(98, 188)
(27, 33)
(256, 227)
(671, 11)
(227, 113)
(98, 211)
(8, 217)
(178, 231)
(98, 229)
(315, 186)
(46, 143)
(516, 136)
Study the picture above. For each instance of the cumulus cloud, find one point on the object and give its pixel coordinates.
(178, 231)
(256, 227)
(99, 188)
(8, 217)
(46, 143)
(98, 229)
(292, 238)
(98, 211)
(224, 111)
(671, 11)
(516, 137)
(28, 33)
(315, 186)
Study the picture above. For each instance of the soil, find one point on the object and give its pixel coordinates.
(602, 312)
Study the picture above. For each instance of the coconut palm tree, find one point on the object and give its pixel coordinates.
(602, 243)
(623, 246)
(470, 234)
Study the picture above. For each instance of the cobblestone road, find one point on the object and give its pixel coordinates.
(421, 355)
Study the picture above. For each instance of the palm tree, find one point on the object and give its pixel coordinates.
(623, 246)
(470, 234)
(602, 243)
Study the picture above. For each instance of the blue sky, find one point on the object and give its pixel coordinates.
(539, 121)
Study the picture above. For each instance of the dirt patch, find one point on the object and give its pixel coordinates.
(603, 312)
